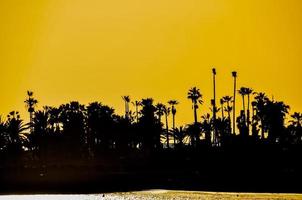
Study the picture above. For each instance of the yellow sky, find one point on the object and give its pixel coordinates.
(90, 50)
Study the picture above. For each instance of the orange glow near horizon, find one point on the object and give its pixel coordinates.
(100, 50)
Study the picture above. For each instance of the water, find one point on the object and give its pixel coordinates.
(158, 195)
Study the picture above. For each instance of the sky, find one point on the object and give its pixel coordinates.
(97, 50)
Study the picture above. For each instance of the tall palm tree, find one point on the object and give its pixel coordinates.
(127, 101)
(30, 103)
(136, 104)
(242, 92)
(243, 124)
(166, 111)
(172, 103)
(196, 98)
(234, 74)
(248, 92)
(260, 104)
(214, 103)
(214, 92)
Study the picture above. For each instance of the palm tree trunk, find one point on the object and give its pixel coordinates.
(234, 106)
(214, 109)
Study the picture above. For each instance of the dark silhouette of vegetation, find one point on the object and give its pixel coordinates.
(93, 135)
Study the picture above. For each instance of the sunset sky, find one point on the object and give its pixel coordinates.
(97, 50)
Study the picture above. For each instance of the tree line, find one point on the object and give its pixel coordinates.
(77, 130)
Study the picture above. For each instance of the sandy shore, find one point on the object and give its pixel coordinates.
(159, 195)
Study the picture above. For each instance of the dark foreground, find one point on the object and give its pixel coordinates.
(211, 171)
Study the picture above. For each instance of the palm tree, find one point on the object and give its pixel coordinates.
(180, 135)
(136, 104)
(228, 109)
(248, 92)
(214, 103)
(196, 98)
(214, 92)
(244, 130)
(54, 118)
(275, 113)
(206, 127)
(242, 92)
(30, 104)
(234, 74)
(260, 103)
(159, 110)
(172, 103)
(166, 111)
(295, 126)
(150, 128)
(38, 137)
(72, 115)
(16, 131)
(127, 101)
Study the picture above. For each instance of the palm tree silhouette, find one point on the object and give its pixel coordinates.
(206, 127)
(295, 127)
(172, 103)
(248, 92)
(41, 130)
(243, 121)
(242, 92)
(127, 101)
(228, 109)
(180, 135)
(30, 104)
(196, 98)
(136, 104)
(16, 131)
(260, 104)
(215, 110)
(275, 114)
(159, 111)
(234, 74)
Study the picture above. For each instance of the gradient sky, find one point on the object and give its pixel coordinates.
(94, 50)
